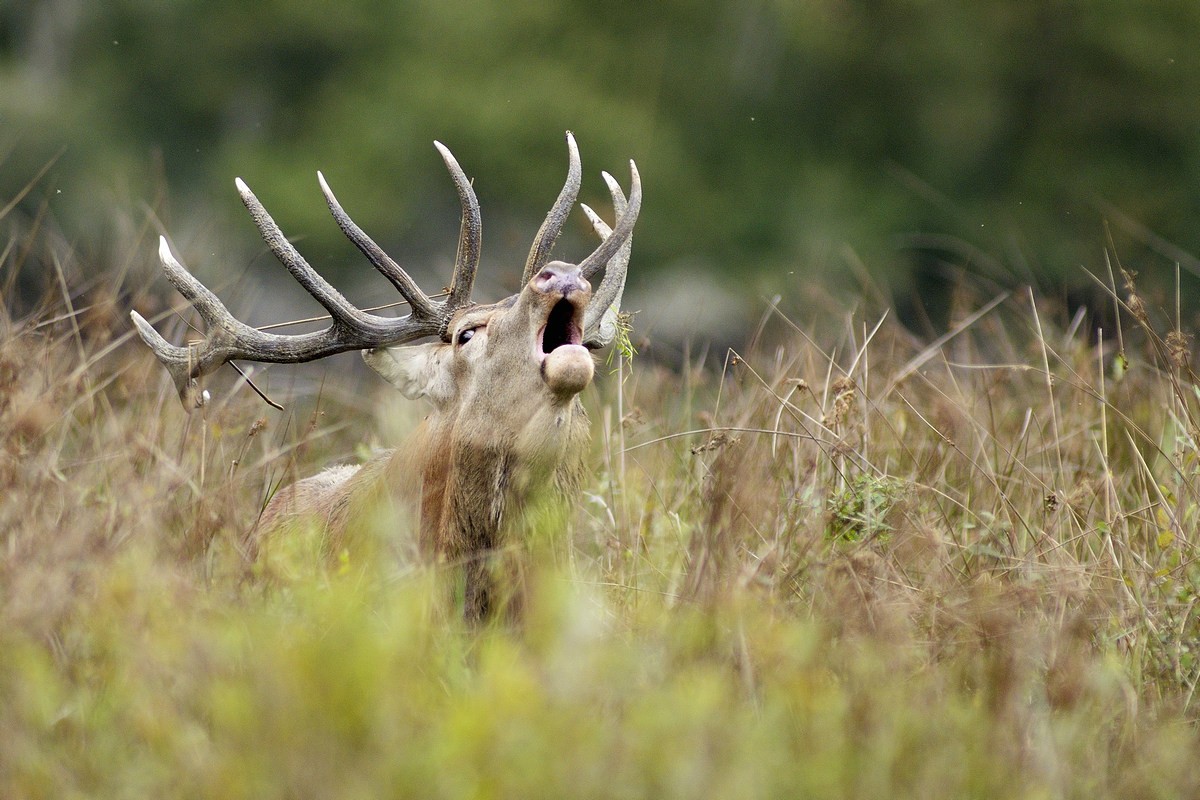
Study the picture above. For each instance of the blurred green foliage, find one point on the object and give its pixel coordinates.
(771, 134)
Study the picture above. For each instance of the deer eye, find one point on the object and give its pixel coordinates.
(465, 336)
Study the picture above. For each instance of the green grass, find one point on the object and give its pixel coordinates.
(875, 567)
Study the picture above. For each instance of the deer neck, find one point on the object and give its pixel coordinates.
(476, 482)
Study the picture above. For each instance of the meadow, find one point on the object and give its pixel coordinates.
(850, 561)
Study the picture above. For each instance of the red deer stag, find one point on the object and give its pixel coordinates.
(503, 378)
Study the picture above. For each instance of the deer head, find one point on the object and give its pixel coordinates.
(503, 378)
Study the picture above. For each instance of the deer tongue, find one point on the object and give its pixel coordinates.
(568, 369)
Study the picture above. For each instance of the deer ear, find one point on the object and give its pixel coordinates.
(418, 371)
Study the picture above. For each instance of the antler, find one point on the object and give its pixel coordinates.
(228, 339)
(606, 302)
(601, 316)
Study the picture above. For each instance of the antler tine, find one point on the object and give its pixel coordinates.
(601, 315)
(547, 235)
(470, 233)
(417, 299)
(338, 306)
(177, 360)
(620, 232)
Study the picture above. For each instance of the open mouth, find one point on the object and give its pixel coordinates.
(563, 326)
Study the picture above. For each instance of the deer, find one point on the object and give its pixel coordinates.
(502, 380)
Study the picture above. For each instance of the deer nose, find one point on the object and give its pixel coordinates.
(558, 277)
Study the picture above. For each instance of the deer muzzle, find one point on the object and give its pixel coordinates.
(567, 365)
(558, 277)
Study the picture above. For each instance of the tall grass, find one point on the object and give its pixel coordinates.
(849, 562)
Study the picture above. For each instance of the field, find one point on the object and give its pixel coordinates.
(848, 562)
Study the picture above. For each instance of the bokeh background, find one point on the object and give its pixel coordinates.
(912, 144)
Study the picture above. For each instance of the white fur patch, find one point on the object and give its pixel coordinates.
(417, 370)
(331, 477)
